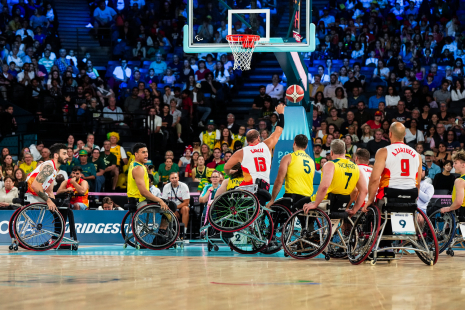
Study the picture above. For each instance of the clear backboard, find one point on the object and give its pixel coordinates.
(283, 26)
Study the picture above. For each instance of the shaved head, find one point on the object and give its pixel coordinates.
(252, 135)
(397, 132)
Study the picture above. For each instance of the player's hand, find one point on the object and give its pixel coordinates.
(51, 205)
(280, 108)
(269, 204)
(232, 171)
(309, 206)
(70, 190)
(351, 212)
(163, 206)
(445, 210)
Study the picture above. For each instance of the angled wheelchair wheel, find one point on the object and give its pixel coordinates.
(255, 237)
(306, 235)
(426, 247)
(280, 215)
(154, 228)
(233, 210)
(363, 236)
(444, 227)
(36, 228)
(10, 229)
(126, 230)
(337, 247)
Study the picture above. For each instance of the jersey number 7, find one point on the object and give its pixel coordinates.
(348, 180)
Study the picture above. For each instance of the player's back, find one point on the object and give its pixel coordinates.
(256, 159)
(401, 168)
(300, 172)
(345, 177)
(365, 172)
(453, 191)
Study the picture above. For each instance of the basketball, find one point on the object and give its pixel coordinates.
(294, 93)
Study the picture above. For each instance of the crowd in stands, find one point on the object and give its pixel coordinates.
(376, 62)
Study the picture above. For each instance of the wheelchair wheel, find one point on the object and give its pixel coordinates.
(279, 216)
(363, 236)
(430, 250)
(38, 229)
(253, 238)
(147, 225)
(306, 235)
(444, 227)
(126, 229)
(337, 247)
(233, 211)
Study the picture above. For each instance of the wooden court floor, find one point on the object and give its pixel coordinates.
(113, 278)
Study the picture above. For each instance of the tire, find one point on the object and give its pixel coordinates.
(427, 230)
(280, 215)
(46, 222)
(127, 220)
(363, 236)
(295, 235)
(146, 223)
(241, 207)
(444, 226)
(262, 228)
(10, 227)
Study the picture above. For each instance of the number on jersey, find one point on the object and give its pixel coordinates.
(348, 180)
(405, 167)
(260, 164)
(307, 168)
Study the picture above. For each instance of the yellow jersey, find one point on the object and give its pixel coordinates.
(209, 138)
(233, 183)
(453, 191)
(132, 190)
(345, 177)
(300, 172)
(28, 169)
(117, 152)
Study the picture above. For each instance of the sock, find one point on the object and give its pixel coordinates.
(185, 230)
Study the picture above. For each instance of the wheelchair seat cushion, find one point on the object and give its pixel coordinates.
(338, 202)
(263, 196)
(400, 200)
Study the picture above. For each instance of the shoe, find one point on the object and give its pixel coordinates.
(200, 124)
(180, 140)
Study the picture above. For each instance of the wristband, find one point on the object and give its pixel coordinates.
(281, 121)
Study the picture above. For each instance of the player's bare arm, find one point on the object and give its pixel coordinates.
(62, 189)
(380, 163)
(274, 137)
(459, 195)
(420, 168)
(362, 189)
(236, 158)
(327, 172)
(138, 175)
(278, 183)
(222, 188)
(45, 172)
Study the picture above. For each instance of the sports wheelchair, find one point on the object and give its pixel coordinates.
(34, 227)
(400, 227)
(147, 226)
(449, 232)
(322, 230)
(242, 221)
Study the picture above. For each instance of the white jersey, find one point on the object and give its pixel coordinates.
(401, 169)
(365, 171)
(47, 183)
(256, 161)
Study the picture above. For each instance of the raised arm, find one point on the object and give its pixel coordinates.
(274, 137)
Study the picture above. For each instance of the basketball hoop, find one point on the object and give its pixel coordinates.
(242, 46)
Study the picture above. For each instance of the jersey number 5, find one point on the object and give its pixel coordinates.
(260, 164)
(307, 167)
(405, 167)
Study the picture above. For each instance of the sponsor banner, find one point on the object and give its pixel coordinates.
(91, 226)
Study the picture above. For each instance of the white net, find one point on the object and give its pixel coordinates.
(242, 47)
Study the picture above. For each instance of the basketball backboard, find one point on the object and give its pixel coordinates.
(282, 27)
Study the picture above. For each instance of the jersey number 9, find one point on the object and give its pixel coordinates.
(405, 167)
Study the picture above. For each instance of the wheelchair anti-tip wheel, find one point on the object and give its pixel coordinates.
(126, 230)
(154, 228)
(279, 216)
(233, 210)
(306, 235)
(363, 236)
(254, 238)
(36, 228)
(444, 227)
